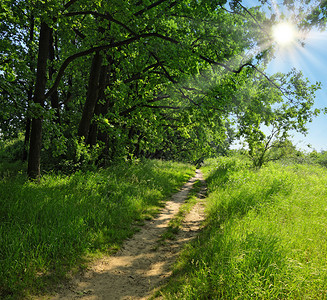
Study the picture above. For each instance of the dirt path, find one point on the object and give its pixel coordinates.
(140, 267)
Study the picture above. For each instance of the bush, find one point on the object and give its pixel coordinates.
(11, 150)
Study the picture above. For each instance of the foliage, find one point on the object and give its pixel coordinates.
(315, 157)
(174, 78)
(48, 228)
(264, 238)
(266, 110)
(11, 150)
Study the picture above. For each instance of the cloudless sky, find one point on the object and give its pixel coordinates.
(312, 61)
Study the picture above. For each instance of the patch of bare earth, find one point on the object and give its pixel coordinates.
(140, 267)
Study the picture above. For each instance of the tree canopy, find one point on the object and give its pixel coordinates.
(139, 78)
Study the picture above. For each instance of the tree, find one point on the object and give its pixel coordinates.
(267, 107)
(33, 170)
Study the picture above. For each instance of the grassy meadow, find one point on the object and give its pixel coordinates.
(49, 228)
(265, 235)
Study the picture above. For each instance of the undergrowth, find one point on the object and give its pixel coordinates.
(48, 228)
(265, 237)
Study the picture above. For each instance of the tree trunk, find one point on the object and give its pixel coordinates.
(93, 132)
(33, 170)
(30, 89)
(91, 98)
(27, 134)
(54, 97)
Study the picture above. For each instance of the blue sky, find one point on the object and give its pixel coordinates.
(312, 61)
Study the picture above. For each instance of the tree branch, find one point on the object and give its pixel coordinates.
(78, 33)
(162, 106)
(99, 48)
(106, 16)
(252, 16)
(163, 68)
(239, 70)
(69, 3)
(142, 11)
(231, 12)
(134, 107)
(138, 75)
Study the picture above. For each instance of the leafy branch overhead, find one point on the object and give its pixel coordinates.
(165, 79)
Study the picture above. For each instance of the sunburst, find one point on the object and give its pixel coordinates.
(284, 33)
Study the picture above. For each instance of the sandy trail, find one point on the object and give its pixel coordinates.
(140, 266)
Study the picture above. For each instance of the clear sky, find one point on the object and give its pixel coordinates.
(312, 61)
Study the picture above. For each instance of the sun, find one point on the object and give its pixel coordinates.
(284, 33)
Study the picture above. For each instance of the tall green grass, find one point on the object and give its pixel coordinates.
(47, 228)
(266, 235)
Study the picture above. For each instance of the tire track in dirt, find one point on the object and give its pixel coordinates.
(137, 270)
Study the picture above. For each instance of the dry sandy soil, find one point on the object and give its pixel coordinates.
(142, 265)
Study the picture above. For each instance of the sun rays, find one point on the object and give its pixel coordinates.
(281, 36)
(290, 40)
(284, 33)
